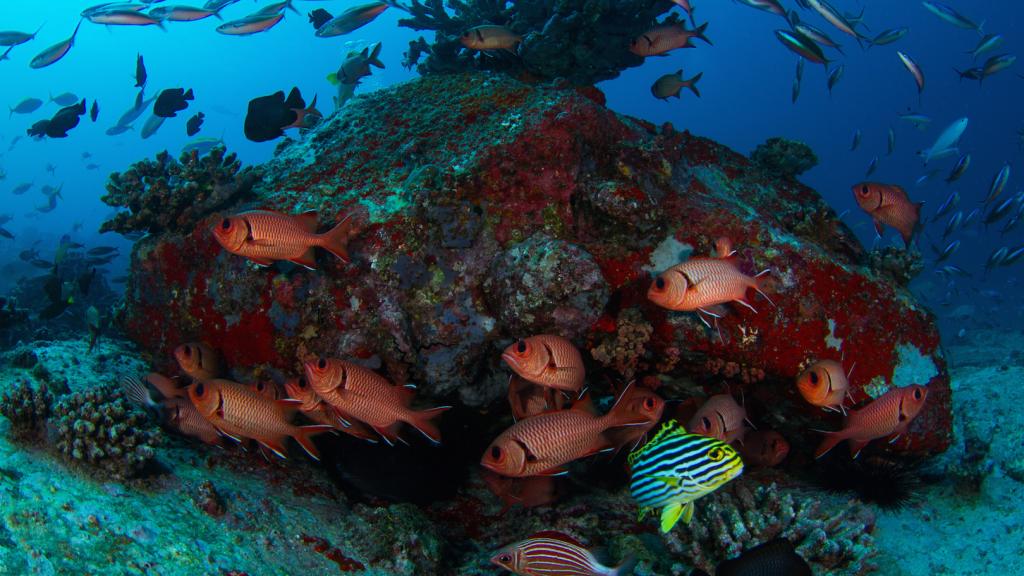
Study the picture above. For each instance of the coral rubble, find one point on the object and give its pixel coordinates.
(784, 158)
(168, 195)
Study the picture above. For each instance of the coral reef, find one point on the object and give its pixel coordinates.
(896, 263)
(623, 352)
(834, 537)
(100, 429)
(583, 43)
(168, 195)
(783, 157)
(27, 407)
(510, 211)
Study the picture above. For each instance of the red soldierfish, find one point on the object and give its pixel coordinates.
(541, 445)
(665, 37)
(183, 416)
(528, 399)
(490, 37)
(719, 417)
(314, 408)
(547, 360)
(644, 404)
(701, 283)
(198, 360)
(824, 384)
(239, 412)
(264, 237)
(765, 448)
(554, 554)
(888, 205)
(364, 395)
(888, 415)
(526, 492)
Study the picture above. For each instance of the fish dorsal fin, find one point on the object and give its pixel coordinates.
(585, 404)
(670, 428)
(308, 221)
(555, 535)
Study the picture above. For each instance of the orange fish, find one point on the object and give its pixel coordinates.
(526, 492)
(198, 360)
(547, 360)
(643, 404)
(368, 397)
(824, 384)
(264, 237)
(266, 389)
(699, 284)
(491, 37)
(167, 387)
(765, 448)
(182, 416)
(665, 37)
(528, 399)
(314, 408)
(720, 417)
(888, 205)
(888, 415)
(238, 412)
(543, 444)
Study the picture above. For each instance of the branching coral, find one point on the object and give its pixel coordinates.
(834, 537)
(782, 157)
(582, 42)
(101, 429)
(171, 195)
(27, 408)
(624, 352)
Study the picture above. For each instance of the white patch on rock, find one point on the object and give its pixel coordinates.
(669, 253)
(830, 340)
(913, 367)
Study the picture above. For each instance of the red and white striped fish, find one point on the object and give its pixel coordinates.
(547, 360)
(314, 408)
(888, 415)
(265, 237)
(553, 553)
(370, 398)
(888, 205)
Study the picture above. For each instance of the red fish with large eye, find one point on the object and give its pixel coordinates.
(541, 445)
(643, 403)
(720, 417)
(314, 408)
(237, 411)
(547, 360)
(265, 237)
(665, 37)
(198, 360)
(362, 394)
(765, 448)
(824, 384)
(888, 205)
(888, 415)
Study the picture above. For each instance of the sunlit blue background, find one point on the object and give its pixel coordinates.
(746, 98)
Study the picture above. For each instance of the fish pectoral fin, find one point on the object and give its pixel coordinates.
(879, 227)
(668, 480)
(307, 259)
(262, 261)
(671, 514)
(275, 445)
(556, 471)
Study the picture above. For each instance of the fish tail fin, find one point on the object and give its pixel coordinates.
(422, 420)
(699, 33)
(290, 6)
(830, 441)
(333, 78)
(304, 436)
(626, 568)
(375, 56)
(335, 240)
(136, 391)
(216, 14)
(692, 83)
(189, 95)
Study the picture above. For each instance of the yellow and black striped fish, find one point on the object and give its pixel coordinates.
(675, 468)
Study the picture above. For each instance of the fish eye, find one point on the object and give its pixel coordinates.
(225, 224)
(465, 34)
(814, 377)
(864, 190)
(260, 386)
(302, 383)
(917, 393)
(649, 403)
(187, 351)
(496, 454)
(660, 283)
(505, 558)
(200, 389)
(716, 454)
(521, 347)
(322, 364)
(706, 423)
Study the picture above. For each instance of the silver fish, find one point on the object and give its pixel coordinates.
(962, 164)
(54, 53)
(998, 183)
